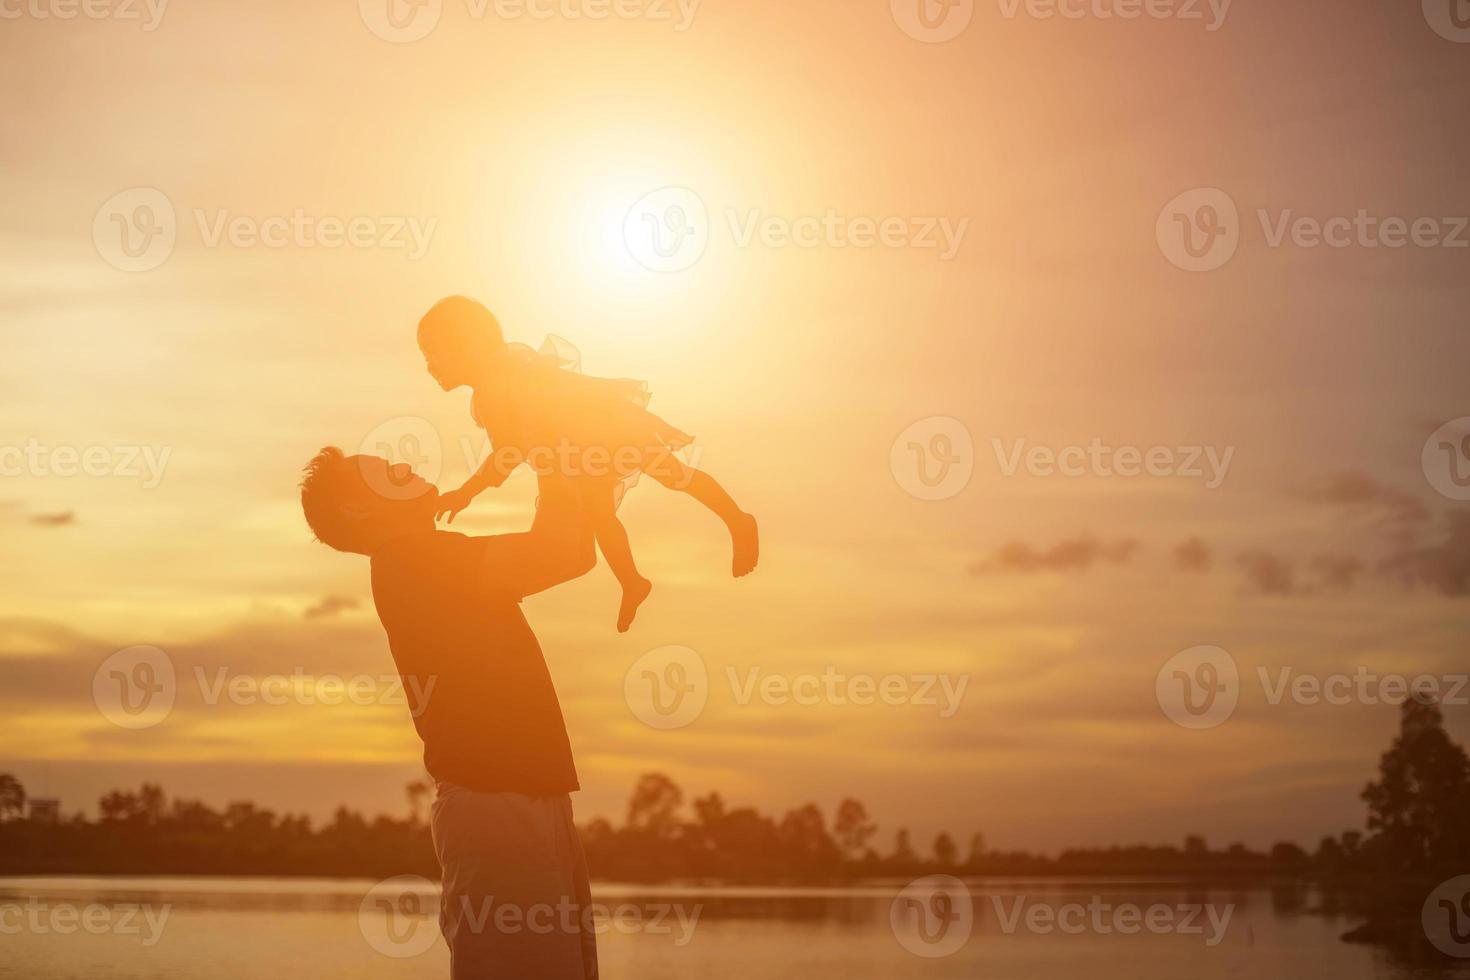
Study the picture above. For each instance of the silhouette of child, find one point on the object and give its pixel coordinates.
(537, 408)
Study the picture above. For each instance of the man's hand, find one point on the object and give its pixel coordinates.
(453, 502)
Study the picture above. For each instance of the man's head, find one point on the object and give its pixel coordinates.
(459, 339)
(360, 503)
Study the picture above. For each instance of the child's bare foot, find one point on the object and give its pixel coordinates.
(747, 542)
(633, 596)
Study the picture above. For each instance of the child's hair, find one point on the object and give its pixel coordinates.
(461, 322)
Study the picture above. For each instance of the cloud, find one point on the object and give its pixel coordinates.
(1076, 555)
(1193, 556)
(1444, 567)
(65, 518)
(330, 606)
(1338, 572)
(1269, 573)
(1360, 492)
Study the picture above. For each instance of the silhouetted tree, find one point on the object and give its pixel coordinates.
(945, 851)
(655, 801)
(1419, 807)
(12, 796)
(417, 791)
(852, 827)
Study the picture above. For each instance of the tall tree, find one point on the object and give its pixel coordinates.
(852, 827)
(1419, 807)
(655, 801)
(12, 796)
(945, 850)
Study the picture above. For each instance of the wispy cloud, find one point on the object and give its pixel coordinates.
(330, 606)
(1075, 555)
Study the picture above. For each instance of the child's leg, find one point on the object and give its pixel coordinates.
(612, 540)
(672, 472)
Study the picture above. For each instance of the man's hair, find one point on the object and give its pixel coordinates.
(330, 482)
(460, 319)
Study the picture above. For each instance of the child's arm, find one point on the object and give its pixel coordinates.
(491, 474)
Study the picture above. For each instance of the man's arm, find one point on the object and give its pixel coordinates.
(557, 549)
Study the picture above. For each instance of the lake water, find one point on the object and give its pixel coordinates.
(1013, 929)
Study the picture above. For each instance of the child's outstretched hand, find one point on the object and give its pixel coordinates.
(453, 502)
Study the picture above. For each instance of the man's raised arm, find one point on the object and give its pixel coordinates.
(558, 548)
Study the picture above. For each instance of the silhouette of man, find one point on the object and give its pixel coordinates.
(516, 901)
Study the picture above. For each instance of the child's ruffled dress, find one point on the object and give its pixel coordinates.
(543, 401)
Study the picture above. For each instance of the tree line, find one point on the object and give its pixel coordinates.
(1418, 822)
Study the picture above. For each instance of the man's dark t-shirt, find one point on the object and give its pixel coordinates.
(491, 721)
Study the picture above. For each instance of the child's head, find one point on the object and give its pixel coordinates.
(459, 338)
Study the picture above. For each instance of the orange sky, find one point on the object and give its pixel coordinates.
(517, 145)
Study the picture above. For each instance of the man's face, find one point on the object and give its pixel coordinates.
(403, 498)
